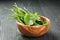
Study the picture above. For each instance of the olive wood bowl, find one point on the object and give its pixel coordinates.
(34, 31)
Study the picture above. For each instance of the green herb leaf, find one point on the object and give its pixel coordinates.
(46, 24)
(27, 19)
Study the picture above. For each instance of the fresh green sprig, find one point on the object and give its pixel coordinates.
(26, 17)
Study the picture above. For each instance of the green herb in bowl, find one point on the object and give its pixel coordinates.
(26, 17)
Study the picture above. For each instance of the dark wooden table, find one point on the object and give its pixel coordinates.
(50, 9)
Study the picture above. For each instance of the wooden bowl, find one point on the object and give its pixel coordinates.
(34, 31)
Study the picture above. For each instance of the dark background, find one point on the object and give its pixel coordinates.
(48, 8)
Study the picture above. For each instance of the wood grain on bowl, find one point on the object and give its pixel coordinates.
(34, 31)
